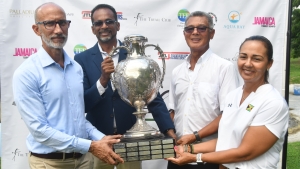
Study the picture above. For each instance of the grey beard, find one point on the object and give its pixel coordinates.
(51, 44)
(105, 39)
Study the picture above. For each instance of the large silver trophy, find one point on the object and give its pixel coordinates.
(137, 80)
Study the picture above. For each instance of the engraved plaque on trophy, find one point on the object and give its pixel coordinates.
(137, 80)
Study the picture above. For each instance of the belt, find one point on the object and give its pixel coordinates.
(57, 155)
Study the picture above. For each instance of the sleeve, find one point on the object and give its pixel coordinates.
(229, 82)
(274, 115)
(171, 93)
(93, 133)
(30, 105)
(161, 114)
(100, 88)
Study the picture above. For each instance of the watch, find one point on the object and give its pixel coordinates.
(198, 158)
(197, 136)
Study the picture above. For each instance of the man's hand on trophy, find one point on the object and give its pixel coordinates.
(107, 67)
(110, 137)
(186, 139)
(172, 134)
(102, 149)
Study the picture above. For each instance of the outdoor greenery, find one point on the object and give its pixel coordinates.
(295, 71)
(295, 28)
(293, 155)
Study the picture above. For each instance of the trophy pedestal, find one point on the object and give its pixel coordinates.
(143, 142)
(145, 149)
(141, 129)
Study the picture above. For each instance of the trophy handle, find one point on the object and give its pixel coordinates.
(112, 52)
(162, 56)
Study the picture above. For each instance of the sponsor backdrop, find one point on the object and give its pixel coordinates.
(160, 21)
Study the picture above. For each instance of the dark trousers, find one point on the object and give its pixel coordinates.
(188, 166)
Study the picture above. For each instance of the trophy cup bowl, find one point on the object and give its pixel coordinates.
(137, 80)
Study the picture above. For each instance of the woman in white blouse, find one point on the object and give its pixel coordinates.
(254, 120)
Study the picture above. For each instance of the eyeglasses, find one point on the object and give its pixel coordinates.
(50, 25)
(199, 29)
(107, 22)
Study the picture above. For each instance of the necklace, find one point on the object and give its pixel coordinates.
(244, 96)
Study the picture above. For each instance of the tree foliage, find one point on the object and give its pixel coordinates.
(295, 28)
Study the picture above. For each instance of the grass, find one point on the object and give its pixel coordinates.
(295, 71)
(293, 155)
(293, 150)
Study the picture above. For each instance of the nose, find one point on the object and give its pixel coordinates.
(195, 31)
(57, 29)
(248, 62)
(104, 25)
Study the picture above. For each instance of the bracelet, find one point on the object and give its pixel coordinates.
(188, 148)
(185, 148)
(192, 148)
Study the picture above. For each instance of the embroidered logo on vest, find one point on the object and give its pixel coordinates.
(249, 107)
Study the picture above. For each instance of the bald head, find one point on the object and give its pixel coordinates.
(44, 9)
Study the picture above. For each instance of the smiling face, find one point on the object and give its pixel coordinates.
(253, 62)
(51, 38)
(198, 41)
(105, 33)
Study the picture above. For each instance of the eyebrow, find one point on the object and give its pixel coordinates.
(253, 55)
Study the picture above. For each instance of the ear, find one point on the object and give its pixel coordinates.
(36, 30)
(270, 64)
(212, 33)
(118, 26)
(93, 30)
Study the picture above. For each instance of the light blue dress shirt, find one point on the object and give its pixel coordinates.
(50, 101)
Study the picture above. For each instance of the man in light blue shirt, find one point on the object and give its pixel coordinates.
(48, 91)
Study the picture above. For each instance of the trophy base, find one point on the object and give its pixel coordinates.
(145, 149)
(142, 135)
(141, 129)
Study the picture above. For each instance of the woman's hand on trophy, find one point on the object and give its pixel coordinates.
(181, 156)
(102, 149)
(107, 67)
(186, 139)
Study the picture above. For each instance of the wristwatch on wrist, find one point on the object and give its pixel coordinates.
(198, 158)
(197, 136)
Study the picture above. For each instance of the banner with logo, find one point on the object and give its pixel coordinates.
(161, 21)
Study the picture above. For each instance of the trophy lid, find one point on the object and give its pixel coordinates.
(135, 38)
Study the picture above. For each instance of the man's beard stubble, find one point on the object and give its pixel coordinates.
(52, 44)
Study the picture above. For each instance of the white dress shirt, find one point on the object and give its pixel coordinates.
(196, 96)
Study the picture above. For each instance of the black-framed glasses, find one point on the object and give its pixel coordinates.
(190, 29)
(50, 25)
(107, 22)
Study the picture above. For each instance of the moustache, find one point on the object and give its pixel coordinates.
(104, 31)
(59, 36)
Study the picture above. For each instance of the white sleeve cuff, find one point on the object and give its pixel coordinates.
(100, 88)
(83, 145)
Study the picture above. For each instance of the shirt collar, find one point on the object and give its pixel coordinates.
(46, 59)
(202, 59)
(104, 53)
